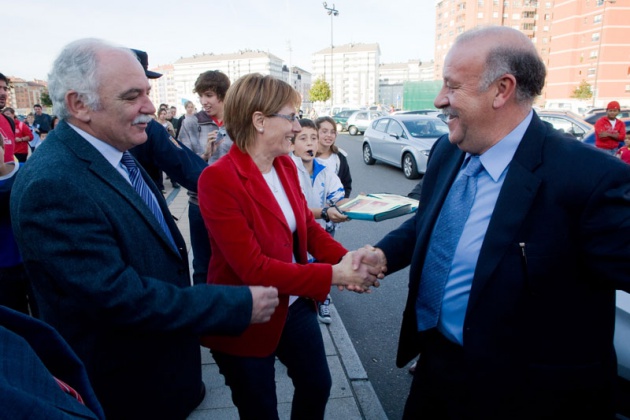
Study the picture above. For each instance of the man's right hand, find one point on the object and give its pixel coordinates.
(264, 302)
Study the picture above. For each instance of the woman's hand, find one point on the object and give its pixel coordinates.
(356, 273)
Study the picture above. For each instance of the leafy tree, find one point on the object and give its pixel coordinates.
(583, 91)
(320, 91)
(45, 98)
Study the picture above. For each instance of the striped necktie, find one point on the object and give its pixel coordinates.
(446, 235)
(144, 191)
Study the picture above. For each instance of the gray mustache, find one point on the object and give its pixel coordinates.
(142, 119)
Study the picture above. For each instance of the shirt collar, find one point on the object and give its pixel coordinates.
(499, 156)
(108, 151)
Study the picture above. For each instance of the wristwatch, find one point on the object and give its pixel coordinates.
(325, 214)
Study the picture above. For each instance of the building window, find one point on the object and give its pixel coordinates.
(591, 72)
(480, 15)
(528, 26)
(516, 3)
(548, 5)
(599, 2)
(546, 28)
(593, 54)
(547, 16)
(597, 19)
(529, 15)
(495, 2)
(506, 4)
(627, 88)
(595, 37)
(495, 15)
(516, 16)
(480, 3)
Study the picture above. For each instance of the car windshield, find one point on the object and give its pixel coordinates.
(426, 128)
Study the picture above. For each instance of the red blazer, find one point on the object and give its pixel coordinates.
(253, 245)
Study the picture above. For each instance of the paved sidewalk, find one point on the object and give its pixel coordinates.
(352, 396)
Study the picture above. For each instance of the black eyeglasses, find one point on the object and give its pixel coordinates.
(290, 117)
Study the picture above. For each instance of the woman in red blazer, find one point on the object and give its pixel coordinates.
(261, 229)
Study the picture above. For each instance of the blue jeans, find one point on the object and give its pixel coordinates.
(301, 350)
(200, 244)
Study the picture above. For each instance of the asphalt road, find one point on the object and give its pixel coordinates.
(373, 320)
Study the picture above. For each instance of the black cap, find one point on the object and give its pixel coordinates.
(143, 58)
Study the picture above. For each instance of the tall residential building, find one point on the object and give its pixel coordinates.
(590, 41)
(186, 70)
(392, 77)
(352, 72)
(573, 37)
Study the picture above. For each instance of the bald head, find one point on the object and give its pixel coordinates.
(507, 51)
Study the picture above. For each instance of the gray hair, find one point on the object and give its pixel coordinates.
(517, 56)
(76, 69)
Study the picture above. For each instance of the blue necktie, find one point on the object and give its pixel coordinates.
(144, 191)
(446, 235)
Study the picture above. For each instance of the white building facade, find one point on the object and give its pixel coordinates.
(351, 70)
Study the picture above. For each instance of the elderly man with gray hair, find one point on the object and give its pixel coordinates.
(108, 266)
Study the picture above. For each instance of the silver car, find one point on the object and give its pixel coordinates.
(402, 140)
(359, 121)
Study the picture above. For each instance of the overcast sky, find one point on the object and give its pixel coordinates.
(36, 30)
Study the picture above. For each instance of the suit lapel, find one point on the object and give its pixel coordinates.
(256, 186)
(515, 199)
(104, 171)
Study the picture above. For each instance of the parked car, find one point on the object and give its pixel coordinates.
(595, 114)
(402, 140)
(359, 121)
(432, 112)
(342, 119)
(567, 122)
(589, 137)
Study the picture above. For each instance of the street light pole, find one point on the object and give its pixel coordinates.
(599, 51)
(331, 12)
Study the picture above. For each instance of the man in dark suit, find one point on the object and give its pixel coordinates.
(40, 375)
(108, 269)
(517, 320)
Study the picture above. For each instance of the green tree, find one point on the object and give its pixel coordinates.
(45, 98)
(583, 91)
(320, 91)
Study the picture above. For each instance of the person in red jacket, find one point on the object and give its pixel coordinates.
(624, 152)
(609, 130)
(23, 135)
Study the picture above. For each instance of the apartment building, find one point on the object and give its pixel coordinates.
(300, 79)
(351, 70)
(163, 90)
(234, 65)
(575, 38)
(591, 42)
(25, 94)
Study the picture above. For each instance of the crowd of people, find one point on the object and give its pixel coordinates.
(520, 241)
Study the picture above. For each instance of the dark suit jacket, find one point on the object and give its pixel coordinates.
(161, 152)
(252, 243)
(105, 276)
(31, 353)
(538, 332)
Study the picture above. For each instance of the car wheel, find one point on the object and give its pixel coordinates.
(410, 168)
(352, 130)
(367, 155)
(339, 128)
